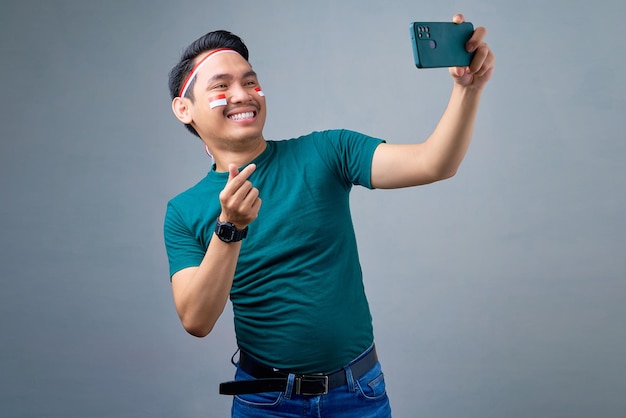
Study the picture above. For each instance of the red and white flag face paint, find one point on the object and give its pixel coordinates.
(219, 100)
(259, 91)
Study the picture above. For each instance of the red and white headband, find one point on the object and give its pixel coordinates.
(196, 68)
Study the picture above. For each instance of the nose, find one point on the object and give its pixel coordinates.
(239, 94)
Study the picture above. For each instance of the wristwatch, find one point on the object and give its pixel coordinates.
(227, 232)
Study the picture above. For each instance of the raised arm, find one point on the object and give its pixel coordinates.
(438, 158)
(200, 293)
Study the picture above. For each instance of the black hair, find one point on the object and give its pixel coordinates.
(212, 40)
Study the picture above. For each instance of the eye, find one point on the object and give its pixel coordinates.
(219, 86)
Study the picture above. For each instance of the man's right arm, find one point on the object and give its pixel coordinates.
(200, 293)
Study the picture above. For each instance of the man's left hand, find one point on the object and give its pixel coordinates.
(481, 68)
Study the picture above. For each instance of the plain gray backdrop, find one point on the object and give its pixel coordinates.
(498, 293)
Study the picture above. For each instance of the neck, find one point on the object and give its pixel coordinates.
(239, 157)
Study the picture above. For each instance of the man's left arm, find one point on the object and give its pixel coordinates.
(438, 158)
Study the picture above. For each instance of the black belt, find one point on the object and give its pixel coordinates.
(269, 380)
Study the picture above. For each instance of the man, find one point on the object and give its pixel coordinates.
(289, 262)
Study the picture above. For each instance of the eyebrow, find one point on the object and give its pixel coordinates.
(229, 76)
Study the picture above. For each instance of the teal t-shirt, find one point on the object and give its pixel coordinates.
(297, 294)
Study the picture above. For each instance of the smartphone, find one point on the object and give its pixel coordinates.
(441, 44)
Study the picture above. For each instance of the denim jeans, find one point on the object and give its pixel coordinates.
(365, 397)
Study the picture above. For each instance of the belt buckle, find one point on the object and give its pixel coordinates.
(323, 379)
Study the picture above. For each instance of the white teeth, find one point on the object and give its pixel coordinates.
(240, 116)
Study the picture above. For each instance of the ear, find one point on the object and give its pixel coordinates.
(181, 109)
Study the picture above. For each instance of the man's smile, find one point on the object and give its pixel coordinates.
(242, 116)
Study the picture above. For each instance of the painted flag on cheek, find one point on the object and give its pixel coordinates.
(219, 100)
(259, 91)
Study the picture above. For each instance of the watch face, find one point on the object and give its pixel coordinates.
(228, 233)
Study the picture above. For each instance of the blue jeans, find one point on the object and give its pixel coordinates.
(365, 397)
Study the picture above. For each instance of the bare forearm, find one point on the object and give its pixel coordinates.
(447, 145)
(201, 293)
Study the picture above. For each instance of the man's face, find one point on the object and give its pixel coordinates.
(242, 117)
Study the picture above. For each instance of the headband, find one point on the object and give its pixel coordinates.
(196, 68)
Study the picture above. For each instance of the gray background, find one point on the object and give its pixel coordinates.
(498, 293)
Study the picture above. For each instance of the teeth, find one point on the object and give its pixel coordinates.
(240, 116)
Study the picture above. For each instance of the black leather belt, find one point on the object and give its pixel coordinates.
(269, 380)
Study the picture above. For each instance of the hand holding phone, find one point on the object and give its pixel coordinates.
(441, 44)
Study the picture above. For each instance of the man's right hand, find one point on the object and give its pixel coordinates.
(240, 200)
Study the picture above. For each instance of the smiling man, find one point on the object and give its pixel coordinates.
(289, 262)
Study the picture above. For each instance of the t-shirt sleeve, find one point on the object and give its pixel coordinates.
(353, 153)
(183, 249)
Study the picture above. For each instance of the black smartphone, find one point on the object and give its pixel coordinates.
(441, 44)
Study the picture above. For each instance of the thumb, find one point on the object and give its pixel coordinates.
(458, 72)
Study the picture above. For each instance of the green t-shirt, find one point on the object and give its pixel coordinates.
(297, 294)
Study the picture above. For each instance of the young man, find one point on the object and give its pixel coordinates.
(289, 262)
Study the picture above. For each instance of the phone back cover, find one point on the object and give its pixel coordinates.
(441, 44)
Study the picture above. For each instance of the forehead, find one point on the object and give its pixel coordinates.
(227, 63)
